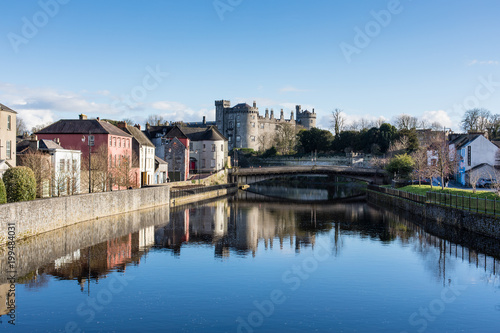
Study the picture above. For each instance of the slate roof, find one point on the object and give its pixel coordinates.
(139, 136)
(44, 144)
(165, 131)
(82, 126)
(6, 108)
(243, 106)
(160, 161)
(209, 134)
(463, 140)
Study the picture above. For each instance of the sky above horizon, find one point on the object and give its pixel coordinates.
(129, 59)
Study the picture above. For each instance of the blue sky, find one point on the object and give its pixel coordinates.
(129, 59)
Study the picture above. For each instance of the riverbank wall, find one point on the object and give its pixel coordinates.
(184, 197)
(24, 219)
(478, 223)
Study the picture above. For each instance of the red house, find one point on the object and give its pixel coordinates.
(111, 150)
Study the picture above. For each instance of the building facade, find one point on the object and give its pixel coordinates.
(109, 149)
(244, 127)
(208, 150)
(7, 138)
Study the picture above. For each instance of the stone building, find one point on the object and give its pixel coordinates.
(244, 127)
(7, 138)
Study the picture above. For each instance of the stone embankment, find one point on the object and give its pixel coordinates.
(483, 224)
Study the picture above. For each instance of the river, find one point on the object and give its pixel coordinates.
(251, 264)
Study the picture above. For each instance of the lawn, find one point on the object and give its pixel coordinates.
(423, 189)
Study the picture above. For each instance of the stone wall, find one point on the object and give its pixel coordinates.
(482, 224)
(39, 216)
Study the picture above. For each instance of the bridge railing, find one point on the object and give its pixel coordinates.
(402, 194)
(174, 194)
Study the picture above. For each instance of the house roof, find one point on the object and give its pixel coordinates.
(139, 136)
(160, 161)
(479, 166)
(82, 126)
(43, 144)
(165, 131)
(6, 108)
(464, 139)
(209, 134)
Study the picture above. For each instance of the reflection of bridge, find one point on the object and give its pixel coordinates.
(254, 175)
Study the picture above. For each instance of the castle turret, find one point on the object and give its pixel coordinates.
(272, 114)
(267, 114)
(282, 115)
(291, 116)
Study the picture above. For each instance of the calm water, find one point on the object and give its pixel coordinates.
(255, 266)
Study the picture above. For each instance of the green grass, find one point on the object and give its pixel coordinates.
(423, 189)
(481, 201)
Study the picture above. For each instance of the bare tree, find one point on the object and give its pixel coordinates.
(20, 126)
(420, 167)
(100, 176)
(264, 142)
(398, 147)
(377, 123)
(338, 121)
(404, 121)
(476, 120)
(474, 176)
(285, 139)
(436, 126)
(128, 121)
(155, 119)
(446, 160)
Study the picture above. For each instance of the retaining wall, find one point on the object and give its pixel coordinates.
(39, 216)
(464, 220)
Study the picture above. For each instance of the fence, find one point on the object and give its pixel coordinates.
(469, 203)
(174, 194)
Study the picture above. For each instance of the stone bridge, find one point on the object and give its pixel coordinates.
(246, 176)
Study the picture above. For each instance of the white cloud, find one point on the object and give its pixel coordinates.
(483, 62)
(34, 118)
(439, 116)
(175, 111)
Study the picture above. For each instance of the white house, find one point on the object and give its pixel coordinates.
(143, 150)
(208, 149)
(474, 150)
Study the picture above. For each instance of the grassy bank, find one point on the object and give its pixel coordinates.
(423, 189)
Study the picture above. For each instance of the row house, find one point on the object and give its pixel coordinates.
(107, 147)
(172, 146)
(144, 152)
(57, 170)
(7, 138)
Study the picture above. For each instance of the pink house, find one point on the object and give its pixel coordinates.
(107, 142)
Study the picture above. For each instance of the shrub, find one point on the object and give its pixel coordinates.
(20, 184)
(3, 194)
(270, 152)
(402, 165)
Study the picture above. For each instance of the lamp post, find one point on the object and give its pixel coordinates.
(198, 163)
(90, 143)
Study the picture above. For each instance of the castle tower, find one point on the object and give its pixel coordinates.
(305, 118)
(220, 107)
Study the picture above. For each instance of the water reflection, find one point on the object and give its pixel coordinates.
(238, 228)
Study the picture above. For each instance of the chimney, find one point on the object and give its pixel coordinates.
(137, 126)
(33, 142)
(120, 124)
(98, 119)
(281, 114)
(204, 120)
(254, 104)
(267, 113)
(313, 110)
(291, 115)
(82, 116)
(272, 114)
(56, 140)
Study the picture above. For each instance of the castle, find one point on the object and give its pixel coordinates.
(245, 128)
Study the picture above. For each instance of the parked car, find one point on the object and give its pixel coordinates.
(485, 182)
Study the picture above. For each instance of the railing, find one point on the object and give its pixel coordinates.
(174, 194)
(397, 193)
(472, 204)
(469, 203)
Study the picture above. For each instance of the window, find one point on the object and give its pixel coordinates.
(68, 165)
(252, 138)
(238, 124)
(230, 124)
(9, 120)
(110, 141)
(115, 160)
(213, 146)
(110, 160)
(114, 142)
(238, 138)
(261, 125)
(222, 147)
(203, 163)
(230, 138)
(253, 124)
(61, 166)
(119, 142)
(9, 152)
(191, 146)
(238, 117)
(212, 163)
(204, 147)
